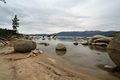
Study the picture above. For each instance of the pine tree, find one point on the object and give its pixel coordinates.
(15, 23)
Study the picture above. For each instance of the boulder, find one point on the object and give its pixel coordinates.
(114, 49)
(24, 46)
(94, 38)
(115, 42)
(60, 47)
(115, 56)
(100, 40)
(103, 40)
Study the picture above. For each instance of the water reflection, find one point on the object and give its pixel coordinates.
(60, 53)
(98, 48)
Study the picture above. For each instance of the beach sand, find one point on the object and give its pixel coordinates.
(17, 66)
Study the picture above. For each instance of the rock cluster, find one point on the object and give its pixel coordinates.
(98, 40)
(35, 52)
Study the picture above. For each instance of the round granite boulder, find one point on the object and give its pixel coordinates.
(60, 47)
(24, 46)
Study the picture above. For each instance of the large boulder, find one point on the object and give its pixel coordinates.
(100, 40)
(60, 47)
(91, 40)
(114, 49)
(24, 46)
(115, 43)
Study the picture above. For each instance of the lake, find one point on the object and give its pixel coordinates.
(77, 55)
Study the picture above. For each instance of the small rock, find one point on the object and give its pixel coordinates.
(75, 43)
(35, 52)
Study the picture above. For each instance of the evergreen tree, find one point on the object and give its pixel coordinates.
(15, 23)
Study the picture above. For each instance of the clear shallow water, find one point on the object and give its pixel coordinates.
(78, 55)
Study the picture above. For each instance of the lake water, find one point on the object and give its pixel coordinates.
(78, 55)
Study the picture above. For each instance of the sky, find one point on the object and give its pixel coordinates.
(52, 16)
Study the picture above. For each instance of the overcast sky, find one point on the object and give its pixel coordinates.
(51, 16)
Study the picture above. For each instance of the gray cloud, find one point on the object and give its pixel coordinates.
(49, 16)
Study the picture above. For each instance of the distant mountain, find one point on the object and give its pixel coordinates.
(81, 33)
(87, 33)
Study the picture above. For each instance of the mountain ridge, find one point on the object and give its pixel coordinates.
(81, 33)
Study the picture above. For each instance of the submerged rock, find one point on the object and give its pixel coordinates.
(61, 47)
(24, 46)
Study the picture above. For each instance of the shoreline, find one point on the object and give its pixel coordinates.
(50, 69)
(44, 67)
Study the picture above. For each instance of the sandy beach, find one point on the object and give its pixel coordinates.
(17, 66)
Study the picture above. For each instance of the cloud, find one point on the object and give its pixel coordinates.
(49, 16)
